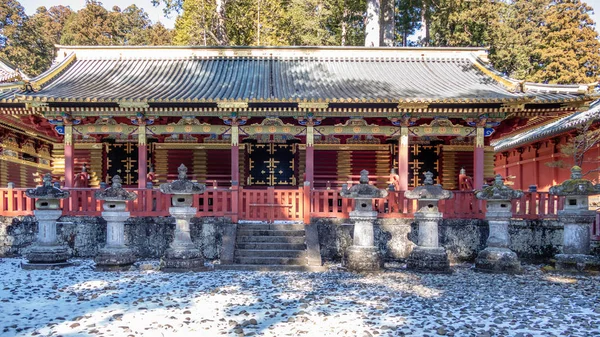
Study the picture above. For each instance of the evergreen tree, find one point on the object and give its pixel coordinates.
(12, 33)
(89, 26)
(201, 22)
(464, 23)
(29, 42)
(569, 47)
(517, 36)
(409, 17)
(94, 25)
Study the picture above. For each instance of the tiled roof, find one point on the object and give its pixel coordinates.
(10, 73)
(264, 79)
(7, 95)
(271, 75)
(551, 129)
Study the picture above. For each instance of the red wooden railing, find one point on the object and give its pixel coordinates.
(271, 204)
(286, 204)
(13, 202)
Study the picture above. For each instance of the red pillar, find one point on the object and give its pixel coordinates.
(235, 172)
(403, 158)
(310, 164)
(310, 174)
(142, 165)
(478, 161)
(235, 164)
(142, 156)
(69, 149)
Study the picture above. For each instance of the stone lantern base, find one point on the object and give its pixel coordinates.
(47, 257)
(577, 263)
(109, 259)
(359, 258)
(498, 260)
(183, 259)
(429, 260)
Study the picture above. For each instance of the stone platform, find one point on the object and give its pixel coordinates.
(430, 260)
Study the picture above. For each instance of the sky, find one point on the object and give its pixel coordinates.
(156, 13)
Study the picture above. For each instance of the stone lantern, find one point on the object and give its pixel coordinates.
(428, 256)
(182, 254)
(497, 257)
(363, 255)
(46, 252)
(115, 255)
(577, 220)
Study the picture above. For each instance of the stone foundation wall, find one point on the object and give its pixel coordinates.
(463, 239)
(149, 237)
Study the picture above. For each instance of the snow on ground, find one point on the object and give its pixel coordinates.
(78, 301)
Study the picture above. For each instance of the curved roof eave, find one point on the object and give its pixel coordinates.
(557, 127)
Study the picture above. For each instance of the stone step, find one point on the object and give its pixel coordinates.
(270, 239)
(270, 233)
(272, 267)
(270, 253)
(270, 260)
(271, 246)
(266, 227)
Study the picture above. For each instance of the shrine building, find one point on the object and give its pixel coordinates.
(268, 118)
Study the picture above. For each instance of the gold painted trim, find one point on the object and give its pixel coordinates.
(55, 71)
(232, 105)
(511, 86)
(68, 134)
(25, 162)
(464, 148)
(192, 146)
(87, 146)
(353, 147)
(313, 105)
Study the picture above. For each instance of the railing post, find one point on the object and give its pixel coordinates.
(270, 201)
(235, 193)
(307, 203)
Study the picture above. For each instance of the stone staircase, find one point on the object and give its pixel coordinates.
(269, 247)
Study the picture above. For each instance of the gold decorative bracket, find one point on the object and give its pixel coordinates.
(232, 105)
(133, 105)
(313, 105)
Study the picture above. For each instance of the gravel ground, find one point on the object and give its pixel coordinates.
(78, 301)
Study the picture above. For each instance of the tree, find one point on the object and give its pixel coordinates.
(409, 17)
(271, 22)
(94, 25)
(29, 42)
(159, 35)
(569, 49)
(12, 23)
(201, 23)
(89, 26)
(310, 23)
(517, 36)
(460, 23)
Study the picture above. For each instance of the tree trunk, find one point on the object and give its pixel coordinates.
(344, 26)
(220, 32)
(372, 23)
(425, 22)
(388, 22)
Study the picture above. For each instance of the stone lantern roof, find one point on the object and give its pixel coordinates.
(47, 190)
(498, 191)
(116, 192)
(363, 190)
(428, 190)
(576, 185)
(182, 185)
